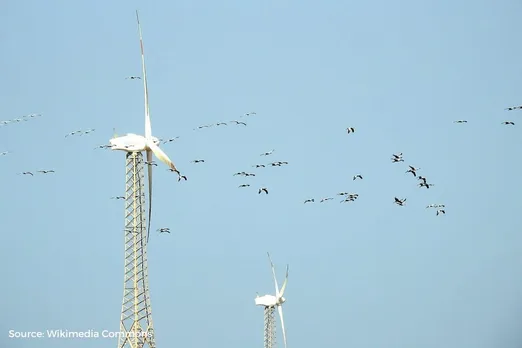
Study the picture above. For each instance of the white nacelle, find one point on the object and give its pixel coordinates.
(131, 143)
(268, 301)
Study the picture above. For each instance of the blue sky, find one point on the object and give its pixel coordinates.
(365, 274)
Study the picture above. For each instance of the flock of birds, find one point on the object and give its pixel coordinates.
(346, 196)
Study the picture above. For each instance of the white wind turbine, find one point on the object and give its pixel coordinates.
(269, 302)
(138, 143)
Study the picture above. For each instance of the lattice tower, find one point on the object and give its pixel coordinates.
(270, 328)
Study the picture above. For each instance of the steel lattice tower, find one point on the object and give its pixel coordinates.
(136, 328)
(270, 328)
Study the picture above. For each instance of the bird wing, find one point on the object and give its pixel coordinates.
(148, 130)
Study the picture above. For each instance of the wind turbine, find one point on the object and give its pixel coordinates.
(136, 318)
(270, 302)
(139, 143)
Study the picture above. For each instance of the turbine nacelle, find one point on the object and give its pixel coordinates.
(131, 143)
(269, 301)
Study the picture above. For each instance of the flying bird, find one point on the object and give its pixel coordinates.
(412, 170)
(400, 201)
(4, 153)
(221, 124)
(358, 176)
(244, 185)
(423, 179)
(118, 197)
(238, 122)
(460, 121)
(150, 144)
(88, 131)
(73, 133)
(309, 200)
(263, 189)
(133, 78)
(241, 173)
(163, 230)
(259, 166)
(267, 153)
(198, 161)
(46, 171)
(102, 147)
(426, 185)
(514, 108)
(250, 174)
(170, 140)
(441, 211)
(182, 177)
(27, 173)
(509, 122)
(350, 130)
(325, 199)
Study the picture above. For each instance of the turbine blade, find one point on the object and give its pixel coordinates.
(161, 155)
(280, 310)
(149, 160)
(273, 273)
(148, 130)
(281, 293)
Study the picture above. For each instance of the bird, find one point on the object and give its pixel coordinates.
(148, 143)
(250, 174)
(267, 153)
(343, 193)
(325, 199)
(310, 200)
(263, 189)
(424, 184)
(396, 160)
(170, 140)
(244, 185)
(412, 170)
(182, 177)
(4, 153)
(73, 133)
(198, 161)
(348, 199)
(238, 122)
(350, 130)
(400, 201)
(27, 173)
(422, 178)
(441, 211)
(250, 113)
(275, 164)
(460, 121)
(133, 78)
(358, 176)
(118, 197)
(514, 108)
(221, 124)
(151, 163)
(46, 171)
(163, 230)
(102, 147)
(204, 126)
(509, 122)
(435, 206)
(241, 173)
(87, 131)
(259, 166)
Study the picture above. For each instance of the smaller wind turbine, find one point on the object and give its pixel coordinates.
(270, 302)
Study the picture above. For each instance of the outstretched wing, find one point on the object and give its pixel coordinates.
(148, 130)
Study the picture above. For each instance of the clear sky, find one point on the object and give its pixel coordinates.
(364, 274)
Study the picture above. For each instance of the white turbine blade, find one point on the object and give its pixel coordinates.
(148, 130)
(281, 293)
(280, 310)
(161, 155)
(149, 160)
(273, 273)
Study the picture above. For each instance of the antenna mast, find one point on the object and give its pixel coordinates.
(136, 330)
